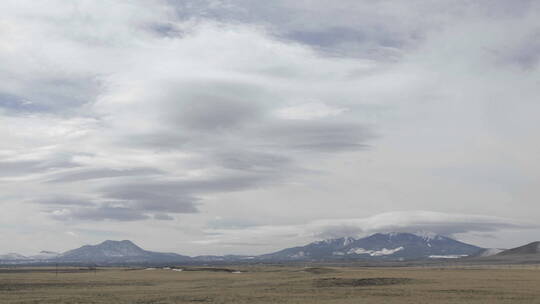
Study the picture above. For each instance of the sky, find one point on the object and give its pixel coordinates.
(244, 127)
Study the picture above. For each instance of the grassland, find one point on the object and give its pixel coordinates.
(273, 284)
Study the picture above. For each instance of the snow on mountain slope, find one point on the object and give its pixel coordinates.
(381, 252)
(490, 252)
(378, 246)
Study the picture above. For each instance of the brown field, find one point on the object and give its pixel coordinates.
(273, 284)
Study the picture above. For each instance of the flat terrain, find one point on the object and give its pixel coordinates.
(273, 284)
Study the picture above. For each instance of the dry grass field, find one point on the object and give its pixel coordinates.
(273, 284)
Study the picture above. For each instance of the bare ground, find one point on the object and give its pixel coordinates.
(273, 284)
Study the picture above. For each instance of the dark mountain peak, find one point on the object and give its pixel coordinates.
(107, 249)
(113, 242)
(120, 244)
(124, 251)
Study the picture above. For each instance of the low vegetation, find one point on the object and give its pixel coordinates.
(273, 284)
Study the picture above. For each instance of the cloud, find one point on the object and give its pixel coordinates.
(289, 111)
(65, 201)
(168, 121)
(89, 174)
(413, 221)
(140, 197)
(448, 224)
(163, 217)
(215, 106)
(103, 212)
(316, 136)
(309, 111)
(18, 167)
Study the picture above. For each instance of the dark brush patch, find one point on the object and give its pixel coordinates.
(342, 282)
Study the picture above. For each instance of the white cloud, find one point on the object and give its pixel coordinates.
(309, 111)
(449, 224)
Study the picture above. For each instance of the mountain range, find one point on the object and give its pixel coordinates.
(376, 247)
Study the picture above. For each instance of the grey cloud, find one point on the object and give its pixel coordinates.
(185, 188)
(13, 103)
(266, 140)
(89, 174)
(350, 28)
(103, 212)
(457, 228)
(52, 94)
(163, 217)
(23, 167)
(338, 231)
(65, 201)
(380, 30)
(328, 37)
(448, 229)
(341, 41)
(252, 161)
(154, 201)
(165, 29)
(414, 221)
(318, 136)
(231, 223)
(214, 113)
(214, 105)
(177, 196)
(525, 54)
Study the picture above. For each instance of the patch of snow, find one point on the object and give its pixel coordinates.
(381, 252)
(298, 255)
(236, 271)
(150, 269)
(428, 236)
(338, 253)
(348, 240)
(491, 251)
(385, 251)
(359, 251)
(451, 256)
(178, 269)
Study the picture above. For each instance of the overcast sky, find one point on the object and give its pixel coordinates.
(240, 126)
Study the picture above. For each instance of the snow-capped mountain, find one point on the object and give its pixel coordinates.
(388, 246)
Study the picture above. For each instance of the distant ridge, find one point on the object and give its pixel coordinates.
(531, 248)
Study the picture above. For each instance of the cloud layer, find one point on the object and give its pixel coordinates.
(201, 116)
